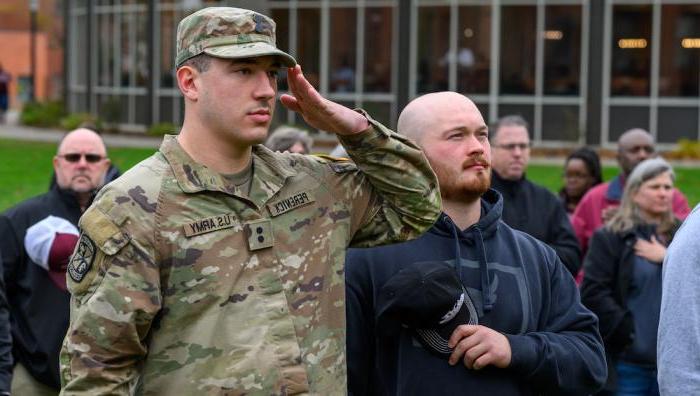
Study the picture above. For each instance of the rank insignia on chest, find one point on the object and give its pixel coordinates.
(82, 259)
(259, 233)
(291, 202)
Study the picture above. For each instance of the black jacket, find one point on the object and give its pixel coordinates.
(5, 339)
(519, 287)
(608, 267)
(536, 211)
(39, 309)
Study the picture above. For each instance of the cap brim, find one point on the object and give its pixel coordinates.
(435, 339)
(250, 50)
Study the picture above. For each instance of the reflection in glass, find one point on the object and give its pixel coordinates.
(631, 50)
(518, 49)
(281, 17)
(342, 51)
(562, 50)
(433, 47)
(680, 54)
(378, 40)
(309, 44)
(474, 55)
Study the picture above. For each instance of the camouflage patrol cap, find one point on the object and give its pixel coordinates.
(226, 32)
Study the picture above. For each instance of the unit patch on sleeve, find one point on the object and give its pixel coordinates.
(291, 202)
(210, 224)
(82, 259)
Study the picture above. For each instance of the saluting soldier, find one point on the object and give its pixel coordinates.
(216, 266)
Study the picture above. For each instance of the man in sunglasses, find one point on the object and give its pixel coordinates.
(600, 202)
(38, 236)
(527, 206)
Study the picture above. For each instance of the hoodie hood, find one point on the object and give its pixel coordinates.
(485, 228)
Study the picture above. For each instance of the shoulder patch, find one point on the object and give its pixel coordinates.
(82, 259)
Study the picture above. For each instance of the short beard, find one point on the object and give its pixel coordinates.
(467, 193)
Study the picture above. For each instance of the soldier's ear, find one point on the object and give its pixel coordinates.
(186, 81)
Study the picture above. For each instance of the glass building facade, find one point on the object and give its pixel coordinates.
(580, 72)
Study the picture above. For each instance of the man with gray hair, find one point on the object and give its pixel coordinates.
(289, 138)
(597, 206)
(38, 236)
(529, 207)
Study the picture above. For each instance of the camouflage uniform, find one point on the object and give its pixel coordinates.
(182, 285)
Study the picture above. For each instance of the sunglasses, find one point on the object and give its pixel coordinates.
(75, 157)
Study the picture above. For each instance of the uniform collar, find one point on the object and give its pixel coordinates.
(269, 173)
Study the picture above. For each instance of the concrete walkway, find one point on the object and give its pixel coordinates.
(19, 132)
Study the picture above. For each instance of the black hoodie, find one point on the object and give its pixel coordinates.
(520, 288)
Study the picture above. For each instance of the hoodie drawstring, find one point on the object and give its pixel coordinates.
(486, 295)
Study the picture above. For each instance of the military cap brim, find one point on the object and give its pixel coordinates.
(250, 50)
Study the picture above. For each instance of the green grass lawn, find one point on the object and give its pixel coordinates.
(26, 167)
(25, 171)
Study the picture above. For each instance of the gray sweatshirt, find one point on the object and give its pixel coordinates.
(678, 345)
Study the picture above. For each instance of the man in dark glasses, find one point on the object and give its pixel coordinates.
(38, 236)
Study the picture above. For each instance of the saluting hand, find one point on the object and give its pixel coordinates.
(481, 346)
(653, 250)
(318, 111)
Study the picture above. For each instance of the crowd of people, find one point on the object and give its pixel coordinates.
(218, 265)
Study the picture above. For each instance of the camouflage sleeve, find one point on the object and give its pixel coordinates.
(115, 294)
(403, 200)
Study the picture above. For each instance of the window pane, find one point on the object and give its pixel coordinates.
(168, 25)
(432, 48)
(680, 50)
(518, 49)
(562, 50)
(560, 123)
(677, 123)
(623, 118)
(378, 40)
(525, 111)
(474, 49)
(484, 110)
(631, 50)
(342, 50)
(380, 111)
(281, 18)
(309, 43)
(165, 107)
(105, 59)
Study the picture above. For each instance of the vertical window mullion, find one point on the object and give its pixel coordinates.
(495, 59)
(654, 78)
(539, 71)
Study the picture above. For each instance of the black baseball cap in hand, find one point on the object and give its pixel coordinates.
(428, 298)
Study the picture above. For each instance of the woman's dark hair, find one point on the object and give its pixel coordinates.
(592, 161)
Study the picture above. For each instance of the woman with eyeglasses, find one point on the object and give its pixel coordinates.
(582, 171)
(622, 281)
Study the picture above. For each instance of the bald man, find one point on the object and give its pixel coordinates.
(472, 305)
(38, 236)
(597, 206)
